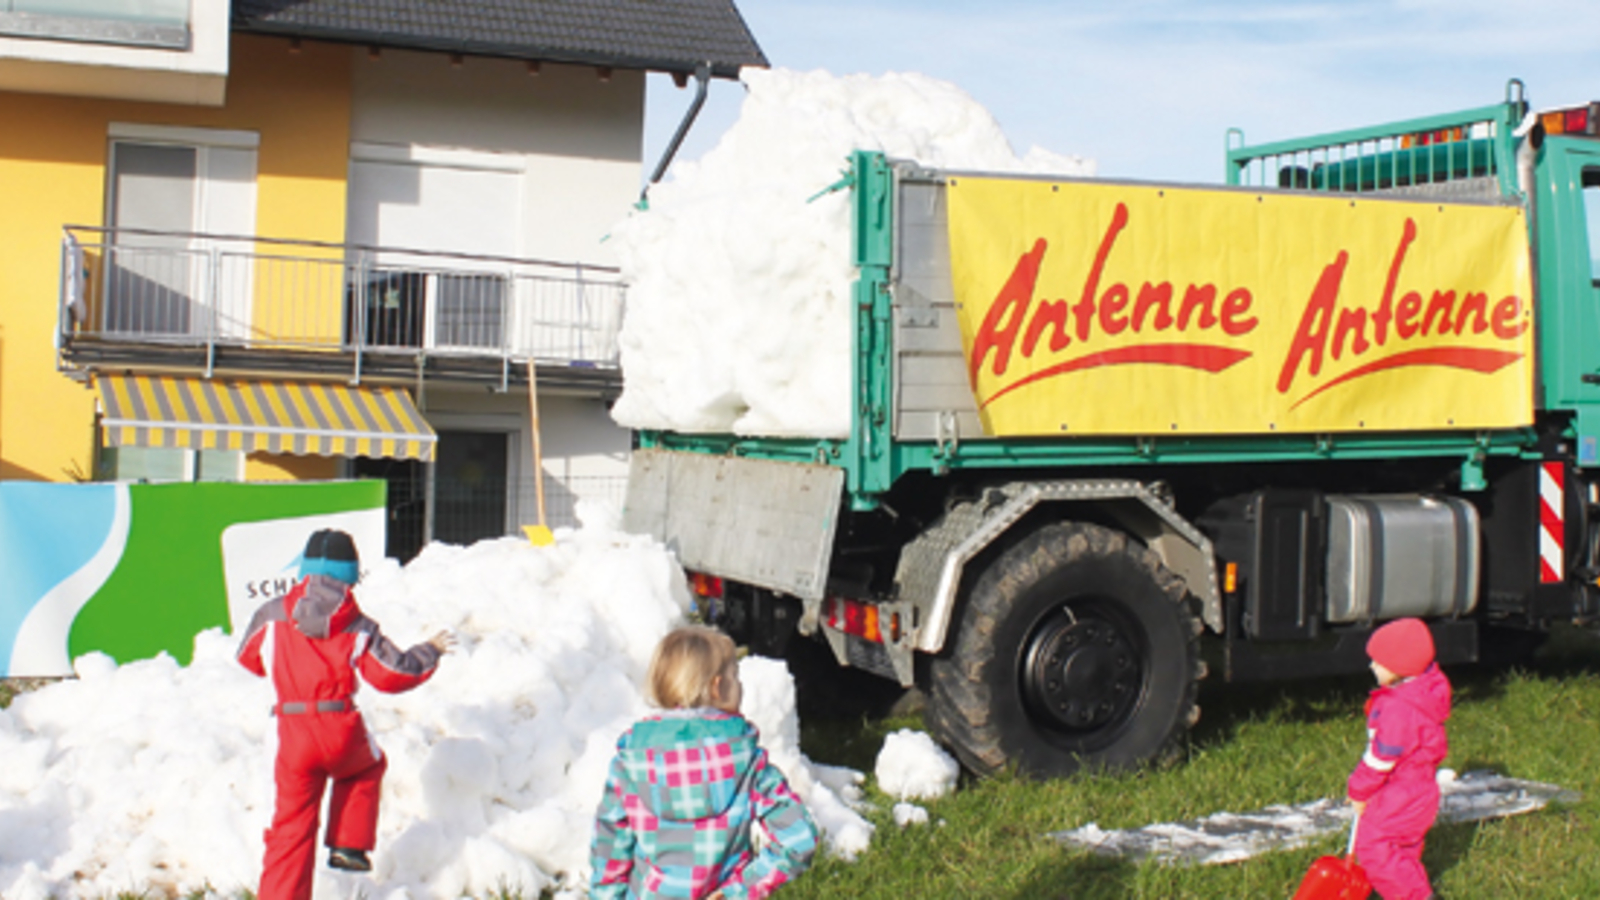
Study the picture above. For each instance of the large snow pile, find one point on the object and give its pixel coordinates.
(738, 315)
(151, 776)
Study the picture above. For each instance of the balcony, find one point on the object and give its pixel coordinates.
(133, 299)
(153, 23)
(163, 51)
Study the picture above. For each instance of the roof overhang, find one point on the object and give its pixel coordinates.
(671, 36)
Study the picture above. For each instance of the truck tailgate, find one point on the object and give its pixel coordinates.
(759, 522)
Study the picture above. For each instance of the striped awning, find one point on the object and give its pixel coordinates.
(299, 417)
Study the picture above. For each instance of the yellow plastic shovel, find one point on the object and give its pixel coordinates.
(538, 535)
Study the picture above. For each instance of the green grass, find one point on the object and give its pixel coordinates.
(1254, 746)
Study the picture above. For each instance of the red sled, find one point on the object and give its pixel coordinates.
(1336, 877)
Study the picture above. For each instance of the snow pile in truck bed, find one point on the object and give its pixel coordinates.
(739, 275)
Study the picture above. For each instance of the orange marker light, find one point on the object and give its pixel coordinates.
(1230, 578)
(869, 625)
(706, 585)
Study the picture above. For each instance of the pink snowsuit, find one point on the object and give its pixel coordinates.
(1397, 777)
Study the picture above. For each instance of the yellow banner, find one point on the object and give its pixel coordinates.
(1139, 309)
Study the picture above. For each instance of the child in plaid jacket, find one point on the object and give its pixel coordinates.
(688, 784)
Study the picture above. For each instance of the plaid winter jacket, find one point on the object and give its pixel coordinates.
(685, 788)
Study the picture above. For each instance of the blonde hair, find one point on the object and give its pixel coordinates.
(684, 665)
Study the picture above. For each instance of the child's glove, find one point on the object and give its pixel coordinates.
(443, 641)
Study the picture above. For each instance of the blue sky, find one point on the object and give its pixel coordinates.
(1148, 88)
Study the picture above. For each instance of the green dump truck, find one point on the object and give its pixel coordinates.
(1108, 437)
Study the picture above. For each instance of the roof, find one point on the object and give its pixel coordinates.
(655, 35)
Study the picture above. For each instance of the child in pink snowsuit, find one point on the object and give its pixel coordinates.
(1395, 788)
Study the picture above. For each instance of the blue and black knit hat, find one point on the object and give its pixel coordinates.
(331, 553)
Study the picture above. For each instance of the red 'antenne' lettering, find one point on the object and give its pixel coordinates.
(1084, 310)
(1015, 297)
(1311, 335)
(1385, 311)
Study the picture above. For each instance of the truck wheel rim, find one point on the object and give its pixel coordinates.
(1081, 672)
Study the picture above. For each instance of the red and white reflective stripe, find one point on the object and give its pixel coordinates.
(1552, 526)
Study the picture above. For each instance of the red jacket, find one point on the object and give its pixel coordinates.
(314, 639)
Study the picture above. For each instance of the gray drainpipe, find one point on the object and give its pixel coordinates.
(702, 77)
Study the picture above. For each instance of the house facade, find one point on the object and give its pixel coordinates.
(269, 240)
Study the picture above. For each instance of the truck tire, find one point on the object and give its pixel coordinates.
(1076, 649)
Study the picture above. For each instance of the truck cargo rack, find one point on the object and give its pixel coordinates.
(1459, 155)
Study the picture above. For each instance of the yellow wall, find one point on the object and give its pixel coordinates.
(52, 172)
(283, 467)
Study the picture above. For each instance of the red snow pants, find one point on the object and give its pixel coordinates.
(313, 748)
(1389, 839)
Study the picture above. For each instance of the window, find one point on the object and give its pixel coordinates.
(468, 309)
(471, 309)
(159, 464)
(470, 486)
(459, 203)
(385, 309)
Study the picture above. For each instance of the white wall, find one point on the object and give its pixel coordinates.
(580, 137)
(583, 451)
(578, 436)
(571, 143)
(580, 439)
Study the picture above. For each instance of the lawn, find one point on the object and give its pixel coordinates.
(1254, 746)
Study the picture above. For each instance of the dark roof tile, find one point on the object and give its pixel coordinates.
(659, 35)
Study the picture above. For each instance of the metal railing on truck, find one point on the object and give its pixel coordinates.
(1467, 154)
(137, 286)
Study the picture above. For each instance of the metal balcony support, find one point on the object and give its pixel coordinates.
(583, 309)
(363, 284)
(214, 292)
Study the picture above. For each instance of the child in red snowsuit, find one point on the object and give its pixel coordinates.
(312, 641)
(1395, 787)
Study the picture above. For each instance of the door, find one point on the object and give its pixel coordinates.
(163, 274)
(151, 265)
(469, 495)
(1568, 242)
(405, 504)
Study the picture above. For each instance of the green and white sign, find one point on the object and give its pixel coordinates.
(133, 570)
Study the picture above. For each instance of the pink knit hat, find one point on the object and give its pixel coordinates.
(1404, 647)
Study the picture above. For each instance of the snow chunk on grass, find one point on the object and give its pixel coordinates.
(912, 767)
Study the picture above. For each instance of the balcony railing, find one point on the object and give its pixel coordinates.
(220, 292)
